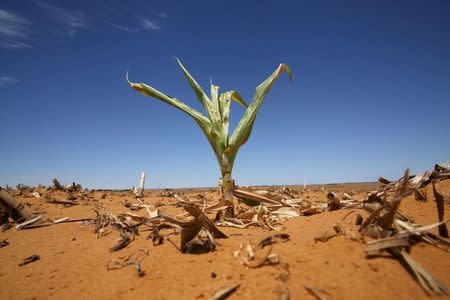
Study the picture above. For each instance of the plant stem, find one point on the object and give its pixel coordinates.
(227, 188)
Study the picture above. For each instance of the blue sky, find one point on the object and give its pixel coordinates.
(370, 94)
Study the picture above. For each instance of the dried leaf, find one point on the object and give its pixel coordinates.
(270, 240)
(255, 197)
(443, 232)
(124, 241)
(134, 259)
(333, 201)
(224, 293)
(188, 233)
(286, 213)
(261, 255)
(317, 293)
(29, 222)
(419, 180)
(202, 219)
(386, 243)
(428, 282)
(442, 167)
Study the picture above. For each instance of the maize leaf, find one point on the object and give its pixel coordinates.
(201, 95)
(147, 90)
(244, 128)
(203, 122)
(225, 103)
(216, 125)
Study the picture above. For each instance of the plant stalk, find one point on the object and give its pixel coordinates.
(227, 187)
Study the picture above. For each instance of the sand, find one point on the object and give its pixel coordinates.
(73, 259)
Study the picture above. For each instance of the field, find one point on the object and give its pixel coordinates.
(73, 258)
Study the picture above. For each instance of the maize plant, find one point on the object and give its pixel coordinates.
(215, 123)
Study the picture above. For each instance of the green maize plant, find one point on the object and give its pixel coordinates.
(216, 123)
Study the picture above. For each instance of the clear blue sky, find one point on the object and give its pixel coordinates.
(370, 94)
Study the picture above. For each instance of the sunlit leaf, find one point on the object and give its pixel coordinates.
(244, 128)
(216, 125)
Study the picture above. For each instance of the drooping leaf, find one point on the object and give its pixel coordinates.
(203, 122)
(244, 127)
(149, 91)
(216, 125)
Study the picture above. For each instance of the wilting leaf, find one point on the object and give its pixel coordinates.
(244, 127)
(216, 125)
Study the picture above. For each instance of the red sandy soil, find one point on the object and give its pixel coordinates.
(73, 259)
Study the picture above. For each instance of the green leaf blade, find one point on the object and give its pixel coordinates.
(245, 125)
(149, 91)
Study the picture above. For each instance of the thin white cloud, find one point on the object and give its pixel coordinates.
(123, 17)
(144, 24)
(14, 45)
(123, 28)
(147, 24)
(162, 15)
(13, 26)
(7, 80)
(72, 20)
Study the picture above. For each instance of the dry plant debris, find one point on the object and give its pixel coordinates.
(317, 293)
(340, 229)
(124, 240)
(56, 185)
(443, 232)
(134, 260)
(394, 232)
(29, 259)
(191, 229)
(155, 233)
(29, 222)
(63, 202)
(333, 201)
(10, 207)
(256, 256)
(268, 208)
(4, 243)
(197, 226)
(428, 282)
(386, 229)
(122, 222)
(225, 292)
